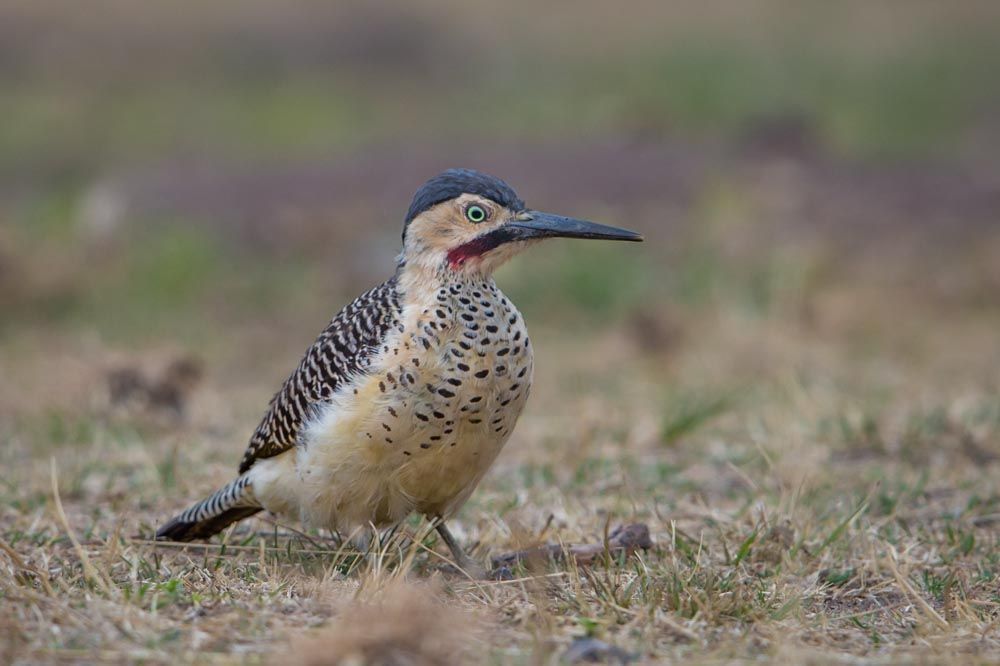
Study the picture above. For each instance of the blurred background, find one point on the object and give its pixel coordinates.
(205, 185)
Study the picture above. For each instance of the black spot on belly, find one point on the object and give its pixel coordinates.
(492, 328)
(463, 367)
(482, 373)
(425, 445)
(446, 393)
(422, 417)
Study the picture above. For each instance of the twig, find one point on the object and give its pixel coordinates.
(625, 539)
(88, 569)
(15, 557)
(915, 596)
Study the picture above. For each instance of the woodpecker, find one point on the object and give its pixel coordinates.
(406, 398)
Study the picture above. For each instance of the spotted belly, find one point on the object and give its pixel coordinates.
(419, 430)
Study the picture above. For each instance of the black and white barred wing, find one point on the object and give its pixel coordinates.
(342, 350)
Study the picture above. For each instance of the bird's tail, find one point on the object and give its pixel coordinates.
(234, 501)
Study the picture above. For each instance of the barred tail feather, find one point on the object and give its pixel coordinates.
(234, 501)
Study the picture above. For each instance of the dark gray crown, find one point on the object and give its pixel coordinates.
(456, 182)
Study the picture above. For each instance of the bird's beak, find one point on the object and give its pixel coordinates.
(531, 224)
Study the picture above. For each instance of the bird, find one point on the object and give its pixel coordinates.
(406, 398)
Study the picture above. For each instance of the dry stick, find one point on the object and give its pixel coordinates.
(296, 532)
(15, 557)
(919, 600)
(513, 581)
(88, 569)
(871, 611)
(228, 547)
(624, 539)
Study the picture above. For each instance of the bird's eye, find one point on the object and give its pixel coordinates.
(475, 214)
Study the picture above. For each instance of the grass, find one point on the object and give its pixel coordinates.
(825, 511)
(809, 428)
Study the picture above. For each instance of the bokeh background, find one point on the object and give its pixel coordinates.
(171, 169)
(188, 191)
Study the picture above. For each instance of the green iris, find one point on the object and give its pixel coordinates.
(475, 214)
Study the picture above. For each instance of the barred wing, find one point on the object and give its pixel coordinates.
(343, 349)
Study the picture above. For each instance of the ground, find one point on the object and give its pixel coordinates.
(793, 382)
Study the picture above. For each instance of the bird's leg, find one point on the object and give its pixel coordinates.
(466, 564)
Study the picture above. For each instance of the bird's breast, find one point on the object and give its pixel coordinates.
(438, 403)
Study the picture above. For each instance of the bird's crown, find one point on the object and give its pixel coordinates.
(453, 183)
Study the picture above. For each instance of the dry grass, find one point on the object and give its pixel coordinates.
(794, 382)
(814, 493)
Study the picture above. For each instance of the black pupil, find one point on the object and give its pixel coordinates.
(476, 214)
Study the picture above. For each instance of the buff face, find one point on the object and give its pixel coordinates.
(473, 234)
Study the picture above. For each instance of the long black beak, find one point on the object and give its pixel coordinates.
(535, 224)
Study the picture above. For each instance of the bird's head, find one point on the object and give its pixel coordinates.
(465, 221)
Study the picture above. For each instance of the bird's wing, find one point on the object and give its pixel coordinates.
(343, 349)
